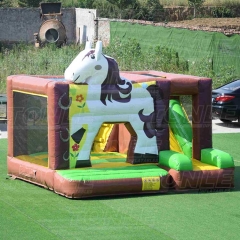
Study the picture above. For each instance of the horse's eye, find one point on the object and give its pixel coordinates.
(92, 56)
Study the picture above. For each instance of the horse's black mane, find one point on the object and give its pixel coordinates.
(110, 88)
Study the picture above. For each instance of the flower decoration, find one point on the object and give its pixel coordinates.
(79, 98)
(75, 147)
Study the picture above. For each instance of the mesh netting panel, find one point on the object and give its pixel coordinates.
(194, 46)
(30, 124)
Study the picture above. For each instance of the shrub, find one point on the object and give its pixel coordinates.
(222, 12)
(130, 56)
(51, 60)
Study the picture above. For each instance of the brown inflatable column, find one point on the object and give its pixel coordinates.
(162, 115)
(58, 125)
(202, 118)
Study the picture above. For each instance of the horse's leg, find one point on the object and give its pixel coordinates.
(87, 146)
(83, 132)
(146, 150)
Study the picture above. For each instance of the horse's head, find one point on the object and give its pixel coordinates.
(90, 66)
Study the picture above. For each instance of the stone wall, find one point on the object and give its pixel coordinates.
(19, 24)
(104, 30)
(185, 13)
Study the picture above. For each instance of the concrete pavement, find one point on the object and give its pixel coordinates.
(220, 127)
(3, 129)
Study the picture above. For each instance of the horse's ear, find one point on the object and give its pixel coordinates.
(88, 45)
(98, 50)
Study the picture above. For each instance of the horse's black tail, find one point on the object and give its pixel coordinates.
(153, 122)
(149, 123)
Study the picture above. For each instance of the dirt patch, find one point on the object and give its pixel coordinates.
(227, 26)
(227, 23)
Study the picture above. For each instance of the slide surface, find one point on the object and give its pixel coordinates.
(181, 135)
(181, 129)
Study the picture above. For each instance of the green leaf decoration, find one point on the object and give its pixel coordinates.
(74, 91)
(82, 105)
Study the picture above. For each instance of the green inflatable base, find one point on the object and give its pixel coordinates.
(216, 158)
(175, 160)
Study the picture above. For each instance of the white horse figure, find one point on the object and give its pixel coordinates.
(114, 100)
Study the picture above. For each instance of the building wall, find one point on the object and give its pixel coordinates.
(86, 27)
(104, 31)
(19, 24)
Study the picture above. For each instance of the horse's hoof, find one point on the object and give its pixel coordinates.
(83, 163)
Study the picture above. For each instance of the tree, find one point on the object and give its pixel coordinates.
(29, 3)
(151, 10)
(6, 3)
(123, 4)
(86, 3)
(196, 4)
(32, 3)
(106, 9)
(154, 10)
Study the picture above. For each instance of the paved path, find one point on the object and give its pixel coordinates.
(217, 127)
(3, 129)
(220, 127)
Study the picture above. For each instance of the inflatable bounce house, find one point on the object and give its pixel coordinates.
(97, 131)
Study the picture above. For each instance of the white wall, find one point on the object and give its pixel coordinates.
(85, 25)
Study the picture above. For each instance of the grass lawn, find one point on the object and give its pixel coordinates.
(31, 212)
